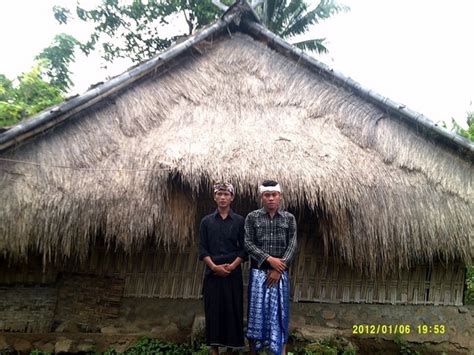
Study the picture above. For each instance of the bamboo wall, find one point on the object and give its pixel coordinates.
(164, 273)
(315, 278)
(320, 280)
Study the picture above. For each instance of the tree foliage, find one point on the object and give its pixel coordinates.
(41, 87)
(57, 58)
(30, 95)
(467, 133)
(291, 18)
(469, 289)
(134, 29)
(456, 127)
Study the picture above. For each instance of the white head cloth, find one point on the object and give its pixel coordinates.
(263, 189)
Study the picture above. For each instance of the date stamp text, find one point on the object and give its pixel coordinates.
(363, 329)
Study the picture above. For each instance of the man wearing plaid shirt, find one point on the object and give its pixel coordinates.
(270, 240)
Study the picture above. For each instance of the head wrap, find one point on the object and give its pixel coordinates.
(224, 186)
(263, 188)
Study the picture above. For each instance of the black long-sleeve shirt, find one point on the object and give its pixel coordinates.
(222, 239)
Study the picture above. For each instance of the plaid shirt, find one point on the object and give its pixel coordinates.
(266, 236)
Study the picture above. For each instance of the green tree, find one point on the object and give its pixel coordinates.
(291, 18)
(134, 29)
(57, 58)
(6, 87)
(469, 287)
(467, 133)
(31, 95)
(10, 111)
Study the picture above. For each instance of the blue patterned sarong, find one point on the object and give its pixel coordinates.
(268, 311)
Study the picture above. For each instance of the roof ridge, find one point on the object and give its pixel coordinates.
(244, 17)
(52, 116)
(410, 116)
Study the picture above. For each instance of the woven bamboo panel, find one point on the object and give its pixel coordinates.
(317, 278)
(153, 273)
(173, 273)
(446, 285)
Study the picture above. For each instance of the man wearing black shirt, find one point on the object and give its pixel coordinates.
(221, 247)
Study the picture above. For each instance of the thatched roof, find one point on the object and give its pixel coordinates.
(233, 103)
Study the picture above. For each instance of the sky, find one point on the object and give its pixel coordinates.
(419, 53)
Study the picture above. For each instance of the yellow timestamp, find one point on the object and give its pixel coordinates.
(361, 329)
(431, 329)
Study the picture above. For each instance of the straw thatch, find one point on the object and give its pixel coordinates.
(237, 110)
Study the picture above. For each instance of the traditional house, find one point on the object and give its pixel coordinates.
(102, 195)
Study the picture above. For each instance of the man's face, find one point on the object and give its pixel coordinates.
(271, 200)
(223, 198)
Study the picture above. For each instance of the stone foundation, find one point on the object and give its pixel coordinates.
(456, 323)
(88, 301)
(27, 308)
(172, 319)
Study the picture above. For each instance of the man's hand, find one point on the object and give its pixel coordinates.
(273, 277)
(234, 265)
(221, 270)
(277, 264)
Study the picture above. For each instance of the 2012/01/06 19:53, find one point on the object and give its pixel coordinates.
(360, 329)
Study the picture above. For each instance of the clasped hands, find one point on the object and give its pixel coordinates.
(223, 270)
(274, 275)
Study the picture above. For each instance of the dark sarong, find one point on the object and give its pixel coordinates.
(223, 306)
